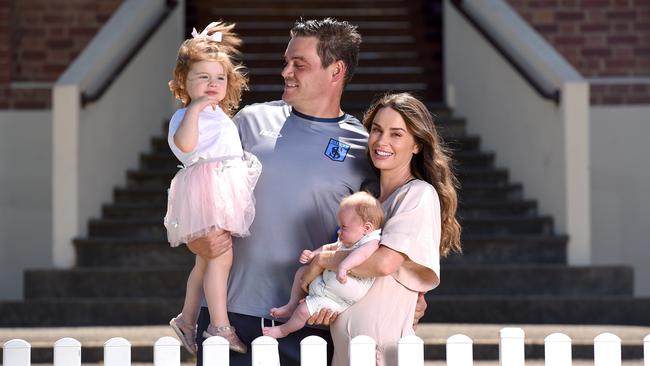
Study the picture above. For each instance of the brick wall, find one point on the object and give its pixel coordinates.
(600, 38)
(45, 37)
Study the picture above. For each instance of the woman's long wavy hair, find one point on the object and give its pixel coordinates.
(431, 164)
(205, 49)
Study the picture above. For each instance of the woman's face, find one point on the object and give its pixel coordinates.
(391, 144)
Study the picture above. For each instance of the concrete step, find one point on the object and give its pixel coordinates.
(278, 44)
(476, 209)
(485, 341)
(468, 193)
(129, 252)
(362, 75)
(534, 279)
(489, 250)
(510, 249)
(507, 225)
(623, 310)
(467, 280)
(87, 312)
(152, 227)
(490, 192)
(162, 177)
(367, 27)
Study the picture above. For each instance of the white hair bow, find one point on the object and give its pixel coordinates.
(216, 36)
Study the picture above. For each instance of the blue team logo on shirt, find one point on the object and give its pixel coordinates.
(337, 150)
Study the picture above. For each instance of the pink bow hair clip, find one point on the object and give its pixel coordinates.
(216, 36)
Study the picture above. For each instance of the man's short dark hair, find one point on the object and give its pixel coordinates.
(337, 40)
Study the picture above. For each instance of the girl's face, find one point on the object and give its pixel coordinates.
(351, 226)
(390, 142)
(206, 78)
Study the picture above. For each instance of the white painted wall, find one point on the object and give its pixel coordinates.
(545, 146)
(25, 196)
(94, 146)
(620, 177)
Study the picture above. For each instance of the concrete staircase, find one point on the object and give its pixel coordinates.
(514, 267)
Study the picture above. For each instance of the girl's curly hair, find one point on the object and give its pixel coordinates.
(205, 49)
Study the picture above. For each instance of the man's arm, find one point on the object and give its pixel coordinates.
(212, 245)
(355, 258)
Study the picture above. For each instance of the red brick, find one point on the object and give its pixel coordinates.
(589, 28)
(569, 40)
(596, 52)
(569, 15)
(60, 43)
(619, 39)
(595, 3)
(622, 15)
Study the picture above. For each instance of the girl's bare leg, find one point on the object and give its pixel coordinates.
(297, 321)
(193, 293)
(215, 286)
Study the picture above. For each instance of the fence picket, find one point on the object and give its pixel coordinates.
(265, 352)
(117, 352)
(16, 352)
(459, 350)
(67, 352)
(511, 347)
(216, 351)
(167, 352)
(363, 351)
(313, 351)
(557, 350)
(410, 351)
(607, 350)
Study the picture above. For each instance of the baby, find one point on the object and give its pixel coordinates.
(360, 217)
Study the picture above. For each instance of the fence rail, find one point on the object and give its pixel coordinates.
(167, 352)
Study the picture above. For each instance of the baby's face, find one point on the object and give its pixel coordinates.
(351, 226)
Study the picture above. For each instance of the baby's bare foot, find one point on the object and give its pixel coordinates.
(275, 332)
(283, 311)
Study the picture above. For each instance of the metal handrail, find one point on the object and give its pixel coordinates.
(553, 95)
(87, 98)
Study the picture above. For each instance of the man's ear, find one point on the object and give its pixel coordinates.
(338, 70)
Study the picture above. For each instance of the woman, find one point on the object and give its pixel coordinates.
(418, 193)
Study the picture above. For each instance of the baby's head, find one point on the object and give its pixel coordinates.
(358, 215)
(217, 43)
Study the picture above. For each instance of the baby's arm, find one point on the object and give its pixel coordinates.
(355, 258)
(307, 255)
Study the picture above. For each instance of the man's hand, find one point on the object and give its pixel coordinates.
(212, 245)
(420, 308)
(323, 317)
(306, 256)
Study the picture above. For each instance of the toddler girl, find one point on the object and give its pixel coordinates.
(214, 189)
(360, 217)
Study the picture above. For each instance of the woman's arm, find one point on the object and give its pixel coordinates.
(382, 262)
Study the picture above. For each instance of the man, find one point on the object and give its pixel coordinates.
(312, 155)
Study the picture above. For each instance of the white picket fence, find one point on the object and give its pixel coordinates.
(167, 352)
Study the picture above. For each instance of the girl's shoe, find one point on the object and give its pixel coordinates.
(184, 334)
(227, 332)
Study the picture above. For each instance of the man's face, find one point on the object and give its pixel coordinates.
(306, 82)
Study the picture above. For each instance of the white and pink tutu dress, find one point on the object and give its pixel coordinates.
(214, 189)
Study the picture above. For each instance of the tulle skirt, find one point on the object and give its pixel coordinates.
(211, 195)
